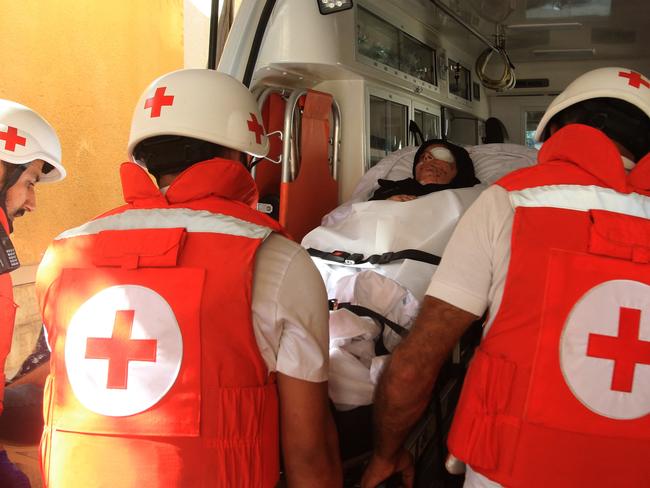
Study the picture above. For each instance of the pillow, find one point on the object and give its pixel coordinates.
(491, 162)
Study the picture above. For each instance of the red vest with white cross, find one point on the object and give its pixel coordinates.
(7, 316)
(156, 377)
(558, 394)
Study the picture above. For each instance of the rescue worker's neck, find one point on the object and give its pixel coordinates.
(166, 180)
(629, 161)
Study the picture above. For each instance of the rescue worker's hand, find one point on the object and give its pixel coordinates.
(402, 198)
(381, 469)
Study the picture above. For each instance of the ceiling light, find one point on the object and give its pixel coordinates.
(330, 6)
(546, 26)
(565, 53)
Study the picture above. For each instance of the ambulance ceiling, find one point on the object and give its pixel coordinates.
(546, 30)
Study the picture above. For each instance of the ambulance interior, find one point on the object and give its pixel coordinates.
(445, 67)
(348, 89)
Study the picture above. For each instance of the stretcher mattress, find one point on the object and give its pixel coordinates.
(394, 290)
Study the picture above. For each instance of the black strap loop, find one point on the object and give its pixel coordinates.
(388, 257)
(366, 312)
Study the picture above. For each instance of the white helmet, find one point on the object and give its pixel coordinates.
(620, 83)
(203, 104)
(26, 136)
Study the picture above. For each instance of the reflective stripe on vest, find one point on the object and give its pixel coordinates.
(582, 198)
(170, 218)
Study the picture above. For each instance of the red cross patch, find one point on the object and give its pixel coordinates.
(635, 79)
(255, 127)
(605, 349)
(120, 349)
(158, 101)
(123, 350)
(12, 139)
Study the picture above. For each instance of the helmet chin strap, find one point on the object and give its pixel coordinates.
(628, 164)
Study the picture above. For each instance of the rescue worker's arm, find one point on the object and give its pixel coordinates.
(36, 376)
(308, 434)
(405, 386)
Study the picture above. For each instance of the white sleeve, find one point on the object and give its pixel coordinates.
(290, 314)
(479, 244)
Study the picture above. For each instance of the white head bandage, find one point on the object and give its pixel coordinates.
(442, 153)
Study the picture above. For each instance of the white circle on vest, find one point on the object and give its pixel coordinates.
(605, 348)
(125, 380)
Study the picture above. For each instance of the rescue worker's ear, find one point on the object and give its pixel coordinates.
(246, 160)
(552, 129)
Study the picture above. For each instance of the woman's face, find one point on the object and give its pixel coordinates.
(435, 165)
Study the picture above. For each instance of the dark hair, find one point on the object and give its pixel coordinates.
(617, 119)
(164, 155)
(495, 131)
(465, 167)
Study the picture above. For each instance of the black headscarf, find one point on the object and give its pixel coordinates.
(410, 186)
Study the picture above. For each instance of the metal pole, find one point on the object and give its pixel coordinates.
(458, 19)
(257, 41)
(214, 30)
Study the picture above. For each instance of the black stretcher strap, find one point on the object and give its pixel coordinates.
(366, 312)
(388, 257)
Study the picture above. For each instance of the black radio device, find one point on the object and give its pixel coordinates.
(8, 258)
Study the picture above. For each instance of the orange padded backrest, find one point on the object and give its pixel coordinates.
(304, 201)
(267, 174)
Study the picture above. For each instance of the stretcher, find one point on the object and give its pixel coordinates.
(354, 250)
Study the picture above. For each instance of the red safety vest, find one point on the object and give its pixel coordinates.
(7, 316)
(156, 378)
(558, 393)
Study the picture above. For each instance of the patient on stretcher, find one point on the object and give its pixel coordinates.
(438, 165)
(392, 288)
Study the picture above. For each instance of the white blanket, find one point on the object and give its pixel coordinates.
(393, 290)
(376, 227)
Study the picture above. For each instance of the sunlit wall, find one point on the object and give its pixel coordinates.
(83, 64)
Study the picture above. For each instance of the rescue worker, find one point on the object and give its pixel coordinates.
(558, 392)
(29, 152)
(187, 333)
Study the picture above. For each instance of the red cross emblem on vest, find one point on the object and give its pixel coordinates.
(158, 101)
(635, 79)
(255, 127)
(627, 350)
(12, 139)
(120, 349)
(123, 350)
(605, 348)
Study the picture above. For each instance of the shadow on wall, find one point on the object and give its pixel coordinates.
(495, 132)
(26, 329)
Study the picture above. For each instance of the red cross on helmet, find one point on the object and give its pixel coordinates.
(26, 136)
(203, 104)
(620, 83)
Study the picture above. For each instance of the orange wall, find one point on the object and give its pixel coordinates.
(82, 64)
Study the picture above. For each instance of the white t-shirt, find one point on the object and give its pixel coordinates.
(473, 270)
(290, 315)
(474, 265)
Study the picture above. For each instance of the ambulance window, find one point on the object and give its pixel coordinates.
(388, 127)
(429, 124)
(417, 59)
(377, 39)
(384, 43)
(460, 80)
(532, 119)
